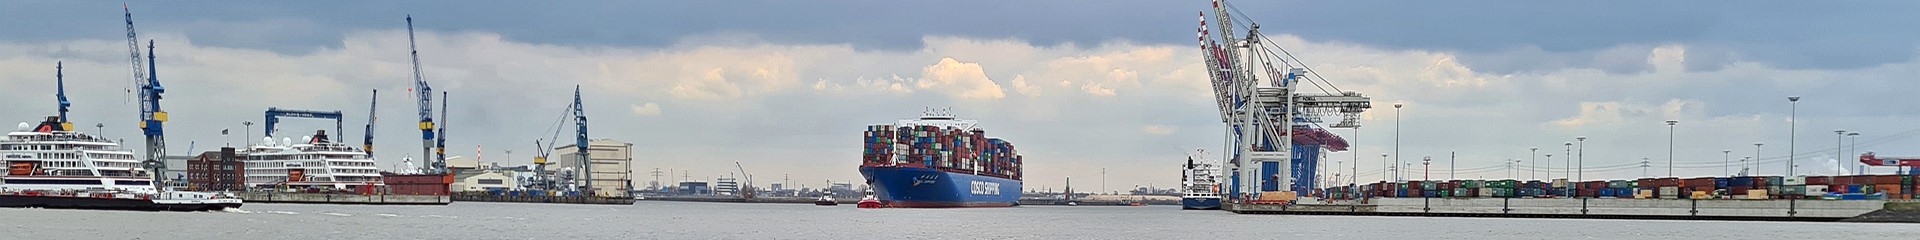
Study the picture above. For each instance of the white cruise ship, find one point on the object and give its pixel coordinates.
(50, 166)
(61, 160)
(317, 163)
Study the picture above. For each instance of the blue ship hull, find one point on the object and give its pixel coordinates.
(928, 188)
(1200, 203)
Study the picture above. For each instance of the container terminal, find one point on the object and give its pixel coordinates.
(1276, 132)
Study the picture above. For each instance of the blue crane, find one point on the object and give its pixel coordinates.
(151, 117)
(60, 83)
(274, 115)
(368, 141)
(425, 92)
(580, 141)
(440, 143)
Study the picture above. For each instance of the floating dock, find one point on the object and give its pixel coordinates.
(471, 197)
(343, 198)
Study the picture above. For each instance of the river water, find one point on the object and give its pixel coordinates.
(687, 220)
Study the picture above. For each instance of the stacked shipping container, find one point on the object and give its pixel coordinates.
(1756, 187)
(948, 149)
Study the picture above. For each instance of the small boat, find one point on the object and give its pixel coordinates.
(870, 202)
(826, 200)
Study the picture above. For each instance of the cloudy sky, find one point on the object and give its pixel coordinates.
(785, 87)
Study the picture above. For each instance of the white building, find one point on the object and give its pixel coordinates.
(612, 165)
(488, 180)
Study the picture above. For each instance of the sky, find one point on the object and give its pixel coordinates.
(1083, 88)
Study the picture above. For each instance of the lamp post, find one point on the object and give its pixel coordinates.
(1670, 124)
(1853, 149)
(1756, 160)
(249, 135)
(1396, 136)
(1792, 137)
(1385, 167)
(1743, 166)
(1549, 168)
(1582, 174)
(1839, 136)
(1426, 169)
(100, 129)
(1533, 172)
(1569, 168)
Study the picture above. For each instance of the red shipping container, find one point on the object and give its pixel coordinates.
(1739, 191)
(1819, 180)
(1886, 179)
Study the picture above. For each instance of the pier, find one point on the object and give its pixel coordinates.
(1608, 208)
(342, 198)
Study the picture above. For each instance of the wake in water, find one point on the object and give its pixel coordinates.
(235, 210)
(338, 214)
(284, 212)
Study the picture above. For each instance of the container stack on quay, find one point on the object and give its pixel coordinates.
(1860, 187)
(947, 149)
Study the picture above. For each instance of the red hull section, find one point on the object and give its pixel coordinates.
(419, 184)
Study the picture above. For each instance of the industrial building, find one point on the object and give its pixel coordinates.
(612, 165)
(216, 171)
(486, 181)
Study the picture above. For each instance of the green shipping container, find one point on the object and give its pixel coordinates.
(1473, 184)
(1793, 190)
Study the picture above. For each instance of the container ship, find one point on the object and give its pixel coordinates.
(939, 161)
(1200, 186)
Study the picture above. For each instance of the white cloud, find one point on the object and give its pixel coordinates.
(963, 80)
(648, 109)
(1159, 129)
(1668, 59)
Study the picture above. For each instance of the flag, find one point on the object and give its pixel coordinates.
(223, 131)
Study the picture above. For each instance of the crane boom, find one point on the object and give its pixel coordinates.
(440, 142)
(580, 140)
(60, 83)
(368, 141)
(425, 94)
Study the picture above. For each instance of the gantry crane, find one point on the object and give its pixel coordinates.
(1264, 120)
(425, 94)
(274, 114)
(151, 116)
(745, 192)
(1910, 162)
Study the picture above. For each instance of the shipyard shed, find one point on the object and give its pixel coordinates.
(486, 181)
(612, 165)
(216, 171)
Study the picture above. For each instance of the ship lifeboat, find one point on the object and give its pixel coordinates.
(870, 202)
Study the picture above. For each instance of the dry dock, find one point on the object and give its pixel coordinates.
(343, 198)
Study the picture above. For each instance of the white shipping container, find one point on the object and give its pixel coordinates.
(1560, 183)
(1816, 190)
(1669, 192)
(1795, 181)
(1486, 192)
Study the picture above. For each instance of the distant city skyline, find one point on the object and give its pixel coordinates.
(784, 87)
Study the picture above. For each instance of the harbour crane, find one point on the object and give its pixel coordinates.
(580, 141)
(745, 192)
(151, 116)
(1266, 122)
(440, 142)
(1911, 162)
(582, 162)
(60, 85)
(274, 114)
(368, 141)
(425, 94)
